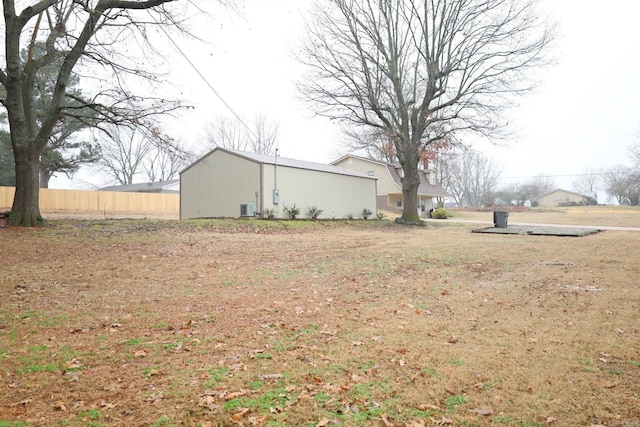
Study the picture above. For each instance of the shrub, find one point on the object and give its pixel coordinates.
(292, 212)
(440, 213)
(269, 214)
(380, 215)
(349, 216)
(366, 213)
(313, 212)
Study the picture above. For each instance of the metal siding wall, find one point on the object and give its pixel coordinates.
(337, 195)
(217, 185)
(267, 187)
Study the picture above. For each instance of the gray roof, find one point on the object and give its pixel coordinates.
(425, 188)
(142, 187)
(283, 161)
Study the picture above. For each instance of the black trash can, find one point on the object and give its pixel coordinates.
(500, 219)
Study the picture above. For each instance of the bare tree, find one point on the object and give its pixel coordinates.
(634, 150)
(539, 186)
(515, 193)
(260, 136)
(588, 181)
(472, 179)
(529, 192)
(369, 143)
(265, 134)
(165, 160)
(225, 132)
(421, 71)
(623, 183)
(68, 31)
(123, 156)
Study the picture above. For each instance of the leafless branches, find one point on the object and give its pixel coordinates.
(124, 155)
(258, 136)
(422, 71)
(110, 45)
(396, 64)
(472, 179)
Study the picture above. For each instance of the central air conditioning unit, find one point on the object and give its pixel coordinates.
(248, 209)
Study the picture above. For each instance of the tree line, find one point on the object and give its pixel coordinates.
(474, 180)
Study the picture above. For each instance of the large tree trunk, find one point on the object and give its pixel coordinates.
(26, 204)
(408, 152)
(410, 184)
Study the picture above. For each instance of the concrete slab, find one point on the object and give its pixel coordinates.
(539, 230)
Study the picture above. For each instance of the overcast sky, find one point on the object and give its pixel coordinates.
(583, 116)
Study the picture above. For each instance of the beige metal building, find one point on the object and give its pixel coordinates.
(228, 183)
(389, 195)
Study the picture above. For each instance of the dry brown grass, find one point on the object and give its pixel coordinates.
(207, 323)
(614, 216)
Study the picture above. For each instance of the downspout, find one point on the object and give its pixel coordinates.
(260, 208)
(276, 192)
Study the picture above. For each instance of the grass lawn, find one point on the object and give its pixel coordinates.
(614, 216)
(344, 323)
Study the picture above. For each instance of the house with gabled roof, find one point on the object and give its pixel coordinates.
(389, 189)
(230, 183)
(171, 186)
(561, 197)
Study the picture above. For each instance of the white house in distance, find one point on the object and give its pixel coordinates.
(231, 184)
(389, 193)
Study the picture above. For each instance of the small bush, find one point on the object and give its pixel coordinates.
(381, 215)
(269, 214)
(366, 213)
(440, 213)
(292, 211)
(349, 216)
(313, 212)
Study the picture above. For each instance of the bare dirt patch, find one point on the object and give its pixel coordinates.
(140, 322)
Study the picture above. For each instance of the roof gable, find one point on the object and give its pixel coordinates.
(560, 190)
(141, 187)
(283, 161)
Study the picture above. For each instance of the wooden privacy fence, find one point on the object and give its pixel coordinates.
(99, 201)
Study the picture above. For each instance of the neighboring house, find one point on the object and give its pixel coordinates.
(228, 183)
(168, 187)
(389, 195)
(566, 198)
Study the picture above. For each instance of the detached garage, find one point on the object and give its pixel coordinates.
(228, 183)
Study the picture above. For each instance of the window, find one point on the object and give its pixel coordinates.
(399, 203)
